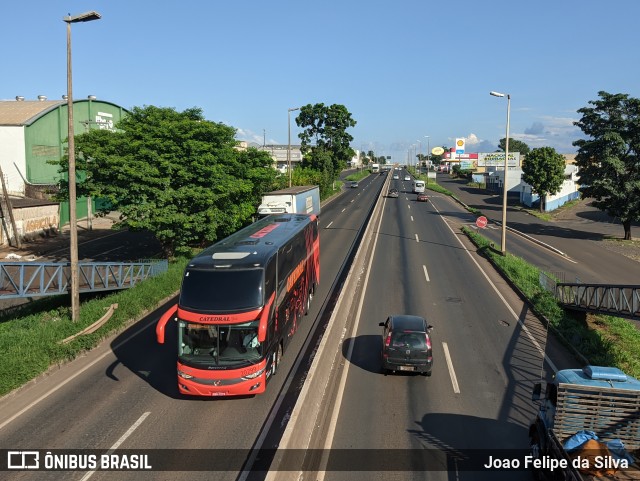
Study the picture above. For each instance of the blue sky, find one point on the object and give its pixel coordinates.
(405, 69)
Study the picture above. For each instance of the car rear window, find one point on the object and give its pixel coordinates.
(412, 340)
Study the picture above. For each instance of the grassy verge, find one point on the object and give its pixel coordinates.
(602, 340)
(30, 339)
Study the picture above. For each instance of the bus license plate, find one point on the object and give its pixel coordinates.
(218, 393)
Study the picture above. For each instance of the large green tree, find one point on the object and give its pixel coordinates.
(543, 170)
(174, 174)
(325, 129)
(514, 146)
(609, 159)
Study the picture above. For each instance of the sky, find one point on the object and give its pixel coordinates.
(414, 74)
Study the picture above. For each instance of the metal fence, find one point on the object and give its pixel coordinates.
(32, 279)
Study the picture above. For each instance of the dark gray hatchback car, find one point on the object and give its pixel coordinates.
(406, 345)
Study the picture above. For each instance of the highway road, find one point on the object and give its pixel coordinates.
(486, 358)
(580, 238)
(124, 393)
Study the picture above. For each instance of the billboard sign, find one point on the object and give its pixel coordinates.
(496, 159)
(459, 146)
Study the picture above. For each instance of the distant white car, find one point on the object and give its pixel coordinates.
(407, 177)
(396, 176)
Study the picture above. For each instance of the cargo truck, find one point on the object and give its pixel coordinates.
(587, 427)
(303, 199)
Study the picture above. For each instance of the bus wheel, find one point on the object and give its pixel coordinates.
(307, 304)
(277, 359)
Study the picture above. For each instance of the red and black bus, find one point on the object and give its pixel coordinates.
(240, 302)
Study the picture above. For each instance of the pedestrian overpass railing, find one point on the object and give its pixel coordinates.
(33, 279)
(615, 300)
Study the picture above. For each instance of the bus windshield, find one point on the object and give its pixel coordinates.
(208, 290)
(218, 345)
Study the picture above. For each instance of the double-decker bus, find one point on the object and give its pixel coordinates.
(240, 303)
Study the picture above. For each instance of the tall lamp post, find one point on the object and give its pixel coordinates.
(428, 150)
(73, 219)
(419, 155)
(428, 163)
(503, 247)
(289, 147)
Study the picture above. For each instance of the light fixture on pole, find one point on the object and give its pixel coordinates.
(289, 147)
(503, 247)
(73, 219)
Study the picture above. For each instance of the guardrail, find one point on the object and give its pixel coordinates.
(33, 279)
(616, 300)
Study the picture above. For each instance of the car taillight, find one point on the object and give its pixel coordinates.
(428, 342)
(387, 341)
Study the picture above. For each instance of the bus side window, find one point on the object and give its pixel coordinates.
(269, 278)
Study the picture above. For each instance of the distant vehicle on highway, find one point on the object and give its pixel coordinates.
(406, 345)
(396, 177)
(300, 199)
(407, 177)
(393, 193)
(418, 186)
(422, 197)
(354, 185)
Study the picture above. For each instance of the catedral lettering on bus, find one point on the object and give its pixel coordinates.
(240, 303)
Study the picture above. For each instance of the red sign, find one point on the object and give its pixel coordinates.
(481, 222)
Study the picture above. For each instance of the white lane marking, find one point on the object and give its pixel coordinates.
(122, 439)
(114, 249)
(411, 218)
(331, 430)
(344, 209)
(353, 199)
(69, 379)
(426, 274)
(408, 205)
(329, 225)
(504, 301)
(417, 240)
(452, 372)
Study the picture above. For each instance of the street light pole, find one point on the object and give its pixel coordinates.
(503, 247)
(73, 218)
(289, 148)
(428, 150)
(419, 155)
(428, 163)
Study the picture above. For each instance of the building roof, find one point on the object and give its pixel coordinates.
(24, 112)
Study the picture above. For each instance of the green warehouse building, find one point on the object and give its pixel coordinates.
(33, 133)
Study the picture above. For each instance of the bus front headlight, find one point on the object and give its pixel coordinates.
(253, 375)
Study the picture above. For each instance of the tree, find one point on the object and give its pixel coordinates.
(174, 174)
(543, 170)
(514, 146)
(608, 158)
(326, 128)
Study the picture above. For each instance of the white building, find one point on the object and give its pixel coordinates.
(568, 191)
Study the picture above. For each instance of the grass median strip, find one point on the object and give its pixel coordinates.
(30, 339)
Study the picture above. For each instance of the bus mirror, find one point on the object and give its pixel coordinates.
(537, 392)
